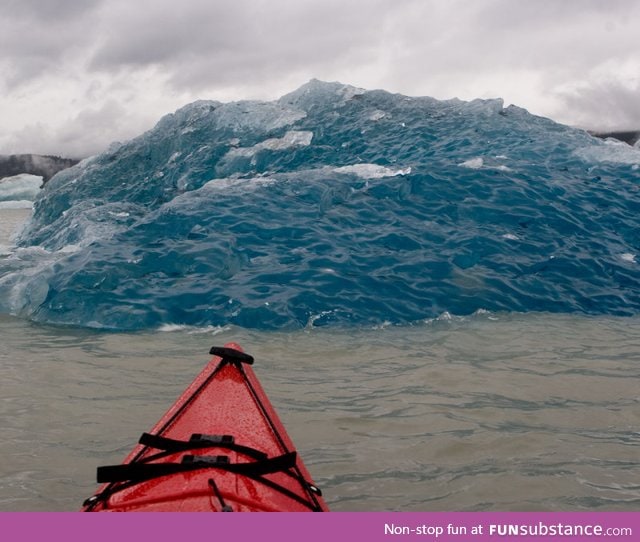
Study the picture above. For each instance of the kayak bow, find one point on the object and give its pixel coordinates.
(220, 447)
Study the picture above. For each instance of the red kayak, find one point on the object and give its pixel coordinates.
(220, 448)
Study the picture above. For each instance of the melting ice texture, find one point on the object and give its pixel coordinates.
(19, 191)
(333, 206)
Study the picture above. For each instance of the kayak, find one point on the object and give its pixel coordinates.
(220, 448)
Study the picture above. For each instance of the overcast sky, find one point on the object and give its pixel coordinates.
(78, 74)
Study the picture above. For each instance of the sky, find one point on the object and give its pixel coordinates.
(78, 75)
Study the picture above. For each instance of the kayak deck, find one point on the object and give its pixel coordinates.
(220, 447)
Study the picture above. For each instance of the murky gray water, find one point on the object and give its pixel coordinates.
(489, 412)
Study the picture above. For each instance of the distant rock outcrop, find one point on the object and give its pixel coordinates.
(630, 137)
(34, 164)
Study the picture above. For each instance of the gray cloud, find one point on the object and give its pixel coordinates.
(559, 38)
(615, 106)
(37, 37)
(47, 10)
(84, 134)
(204, 43)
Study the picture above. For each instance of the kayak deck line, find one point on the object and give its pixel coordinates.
(197, 440)
(220, 447)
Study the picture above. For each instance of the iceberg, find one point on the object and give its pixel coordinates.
(19, 191)
(335, 206)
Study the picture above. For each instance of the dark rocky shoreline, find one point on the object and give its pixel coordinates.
(630, 137)
(34, 164)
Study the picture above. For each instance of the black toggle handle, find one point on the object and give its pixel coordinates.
(231, 355)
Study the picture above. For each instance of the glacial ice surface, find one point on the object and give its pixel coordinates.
(333, 206)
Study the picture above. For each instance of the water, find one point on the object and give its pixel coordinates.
(493, 412)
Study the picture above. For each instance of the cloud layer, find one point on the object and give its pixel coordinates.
(75, 76)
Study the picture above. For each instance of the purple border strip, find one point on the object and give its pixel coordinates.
(336, 526)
